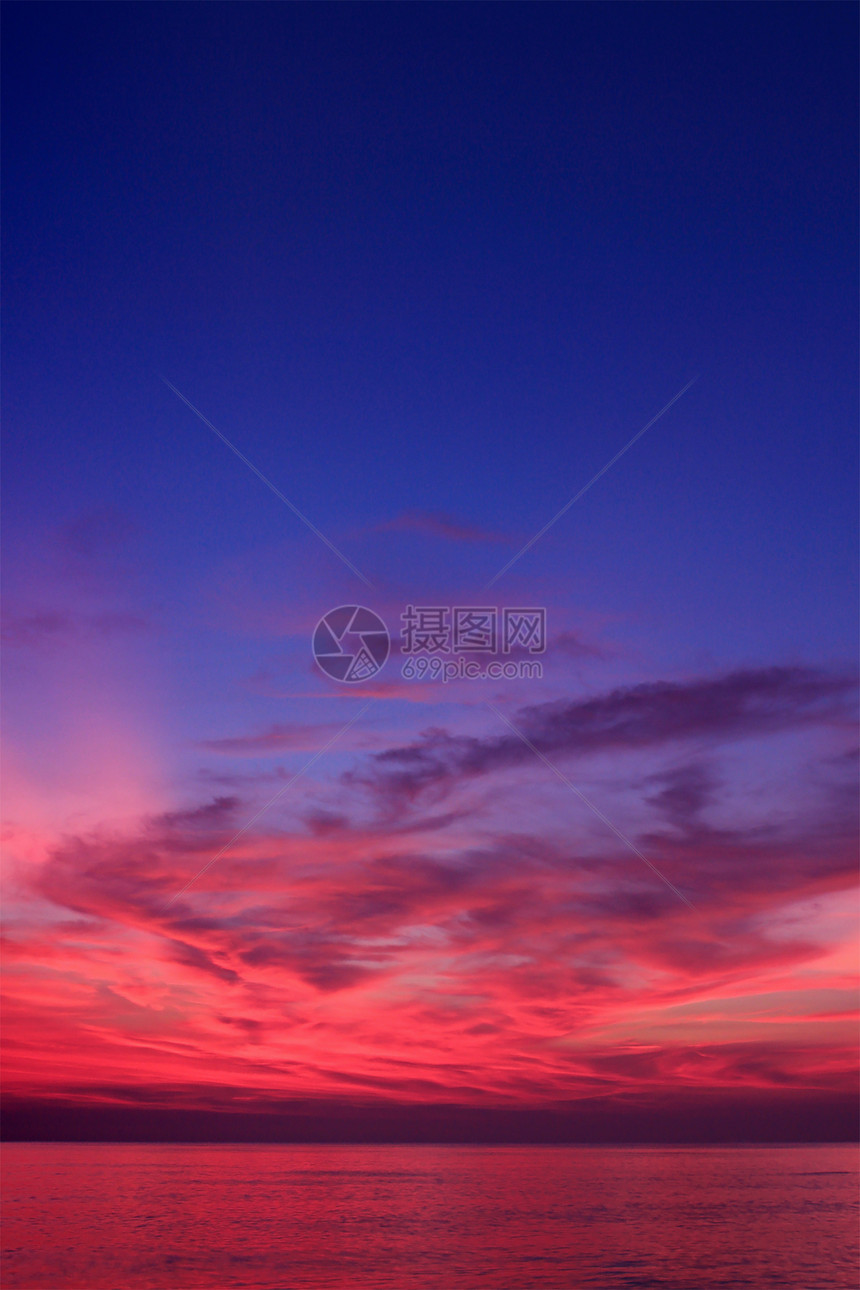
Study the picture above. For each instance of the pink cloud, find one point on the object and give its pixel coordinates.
(441, 957)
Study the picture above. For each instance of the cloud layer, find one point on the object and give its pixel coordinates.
(364, 946)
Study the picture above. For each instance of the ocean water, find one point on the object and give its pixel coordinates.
(80, 1216)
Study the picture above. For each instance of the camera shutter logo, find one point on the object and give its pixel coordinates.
(351, 644)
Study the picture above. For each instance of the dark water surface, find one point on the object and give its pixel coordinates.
(81, 1216)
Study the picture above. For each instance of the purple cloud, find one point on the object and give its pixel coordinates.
(744, 703)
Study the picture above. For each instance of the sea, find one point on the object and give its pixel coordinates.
(113, 1216)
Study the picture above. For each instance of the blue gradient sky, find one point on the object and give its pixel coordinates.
(429, 267)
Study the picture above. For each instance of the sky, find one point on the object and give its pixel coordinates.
(428, 269)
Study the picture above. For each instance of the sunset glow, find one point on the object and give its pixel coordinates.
(429, 271)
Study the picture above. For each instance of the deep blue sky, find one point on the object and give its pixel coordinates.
(444, 258)
(473, 244)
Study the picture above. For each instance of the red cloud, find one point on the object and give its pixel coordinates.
(439, 960)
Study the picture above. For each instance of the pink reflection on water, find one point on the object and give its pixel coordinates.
(176, 1217)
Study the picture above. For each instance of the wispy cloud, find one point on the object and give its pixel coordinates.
(437, 524)
(441, 955)
(276, 739)
(45, 626)
(740, 704)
